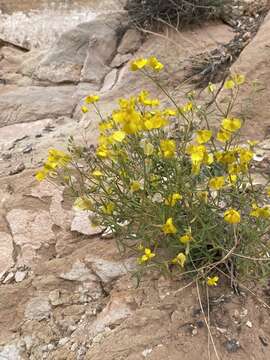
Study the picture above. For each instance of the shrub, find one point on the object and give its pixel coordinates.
(149, 13)
(177, 193)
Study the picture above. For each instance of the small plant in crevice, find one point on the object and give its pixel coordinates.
(172, 189)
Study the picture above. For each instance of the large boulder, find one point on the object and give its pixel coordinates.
(26, 104)
(83, 53)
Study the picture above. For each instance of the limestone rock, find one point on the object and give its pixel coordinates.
(110, 80)
(6, 252)
(35, 103)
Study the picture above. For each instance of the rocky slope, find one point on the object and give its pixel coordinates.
(65, 292)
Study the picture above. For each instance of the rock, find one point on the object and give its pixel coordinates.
(19, 168)
(131, 42)
(6, 253)
(110, 80)
(38, 308)
(251, 107)
(28, 104)
(31, 230)
(63, 341)
(20, 275)
(104, 35)
(232, 345)
(120, 60)
(107, 270)
(82, 224)
(9, 278)
(82, 53)
(79, 272)
(10, 352)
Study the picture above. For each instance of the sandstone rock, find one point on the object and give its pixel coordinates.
(81, 223)
(35, 103)
(82, 53)
(6, 253)
(131, 42)
(31, 230)
(38, 308)
(250, 104)
(103, 42)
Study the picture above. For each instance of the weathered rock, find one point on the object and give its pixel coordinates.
(31, 230)
(79, 272)
(250, 104)
(10, 352)
(6, 253)
(82, 224)
(38, 308)
(131, 42)
(110, 80)
(108, 270)
(83, 53)
(35, 103)
(104, 37)
(120, 60)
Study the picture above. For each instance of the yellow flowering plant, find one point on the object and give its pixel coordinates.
(170, 188)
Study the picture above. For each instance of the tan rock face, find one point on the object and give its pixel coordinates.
(30, 230)
(6, 251)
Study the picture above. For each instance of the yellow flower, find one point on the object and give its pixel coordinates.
(239, 79)
(148, 149)
(203, 136)
(135, 186)
(232, 179)
(180, 259)
(108, 208)
(186, 238)
(232, 216)
(102, 151)
(231, 125)
(105, 125)
(148, 255)
(212, 281)
(168, 148)
(245, 155)
(84, 109)
(138, 64)
(92, 99)
(260, 212)
(144, 99)
(187, 107)
(223, 136)
(268, 191)
(97, 173)
(41, 175)
(168, 227)
(217, 182)
(211, 87)
(156, 121)
(252, 143)
(118, 136)
(83, 203)
(155, 64)
(172, 199)
(229, 84)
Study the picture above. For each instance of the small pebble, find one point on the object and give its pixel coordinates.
(232, 345)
